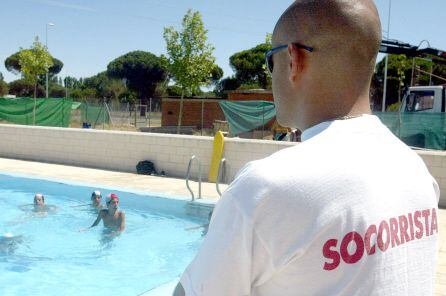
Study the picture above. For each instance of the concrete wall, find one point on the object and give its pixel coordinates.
(121, 151)
(436, 163)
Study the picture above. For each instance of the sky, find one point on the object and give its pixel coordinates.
(88, 34)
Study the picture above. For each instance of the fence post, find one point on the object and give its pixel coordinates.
(202, 115)
(135, 114)
(263, 119)
(34, 111)
(103, 113)
(150, 110)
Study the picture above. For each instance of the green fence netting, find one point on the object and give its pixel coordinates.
(423, 130)
(247, 115)
(48, 112)
(94, 114)
(76, 105)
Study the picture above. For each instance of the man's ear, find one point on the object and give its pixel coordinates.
(297, 58)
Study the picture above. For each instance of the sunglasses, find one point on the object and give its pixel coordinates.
(269, 54)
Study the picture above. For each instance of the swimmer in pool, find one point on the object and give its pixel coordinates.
(40, 206)
(96, 198)
(39, 202)
(95, 203)
(112, 218)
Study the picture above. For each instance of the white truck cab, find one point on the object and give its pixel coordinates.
(426, 99)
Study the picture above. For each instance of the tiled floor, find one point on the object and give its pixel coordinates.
(170, 186)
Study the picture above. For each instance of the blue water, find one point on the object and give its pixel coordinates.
(49, 256)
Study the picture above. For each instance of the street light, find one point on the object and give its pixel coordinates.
(46, 44)
(383, 109)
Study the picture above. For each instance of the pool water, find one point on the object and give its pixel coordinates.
(49, 256)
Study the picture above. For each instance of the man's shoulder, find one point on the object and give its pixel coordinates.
(284, 160)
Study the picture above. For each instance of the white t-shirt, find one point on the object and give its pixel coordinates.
(350, 211)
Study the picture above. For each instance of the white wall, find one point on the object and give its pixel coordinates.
(121, 151)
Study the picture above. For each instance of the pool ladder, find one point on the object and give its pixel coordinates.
(199, 177)
(221, 174)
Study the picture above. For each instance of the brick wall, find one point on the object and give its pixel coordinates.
(212, 111)
(192, 109)
(251, 95)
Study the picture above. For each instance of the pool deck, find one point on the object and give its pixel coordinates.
(165, 186)
(125, 181)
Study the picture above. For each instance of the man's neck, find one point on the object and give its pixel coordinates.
(318, 114)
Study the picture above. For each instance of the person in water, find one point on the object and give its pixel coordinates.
(39, 201)
(96, 199)
(112, 218)
(40, 206)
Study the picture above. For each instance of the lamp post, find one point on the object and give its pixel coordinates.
(386, 62)
(46, 44)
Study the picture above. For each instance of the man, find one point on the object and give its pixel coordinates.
(96, 198)
(351, 210)
(112, 218)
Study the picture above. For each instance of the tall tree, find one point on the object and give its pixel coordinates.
(34, 61)
(190, 59)
(142, 72)
(249, 66)
(71, 82)
(3, 86)
(23, 88)
(12, 65)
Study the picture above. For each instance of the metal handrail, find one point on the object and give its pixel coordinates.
(221, 174)
(199, 177)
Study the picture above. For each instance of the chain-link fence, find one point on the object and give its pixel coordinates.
(115, 115)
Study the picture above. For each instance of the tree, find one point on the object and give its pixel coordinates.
(225, 85)
(71, 82)
(34, 61)
(4, 89)
(23, 88)
(216, 74)
(114, 89)
(190, 60)
(249, 66)
(142, 72)
(57, 91)
(105, 86)
(12, 65)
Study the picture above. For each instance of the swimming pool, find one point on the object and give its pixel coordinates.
(51, 257)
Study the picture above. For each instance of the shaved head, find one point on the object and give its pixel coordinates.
(345, 35)
(340, 31)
